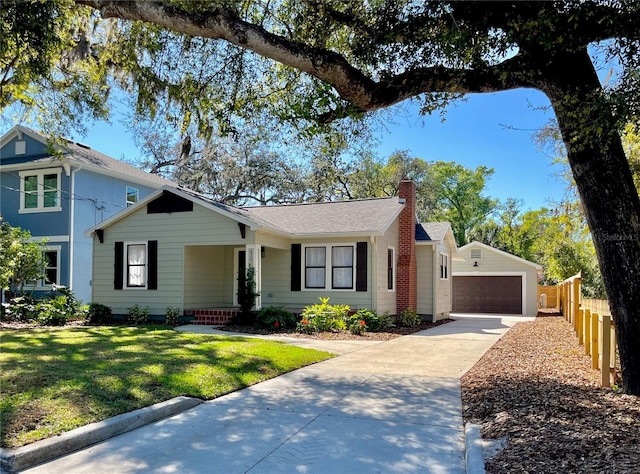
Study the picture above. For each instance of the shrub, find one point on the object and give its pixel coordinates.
(325, 317)
(304, 326)
(138, 315)
(373, 321)
(247, 293)
(274, 317)
(21, 308)
(358, 327)
(409, 318)
(99, 314)
(54, 311)
(171, 315)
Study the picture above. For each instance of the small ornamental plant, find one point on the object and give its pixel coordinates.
(304, 326)
(275, 317)
(409, 318)
(171, 315)
(137, 314)
(358, 327)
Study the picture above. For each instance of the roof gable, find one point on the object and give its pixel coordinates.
(182, 195)
(476, 244)
(80, 155)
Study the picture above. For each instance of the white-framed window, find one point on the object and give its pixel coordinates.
(339, 258)
(40, 190)
(135, 267)
(315, 267)
(444, 266)
(132, 196)
(342, 259)
(51, 270)
(391, 269)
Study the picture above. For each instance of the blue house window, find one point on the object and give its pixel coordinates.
(40, 190)
(132, 196)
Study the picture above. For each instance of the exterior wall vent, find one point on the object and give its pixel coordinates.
(21, 147)
(476, 253)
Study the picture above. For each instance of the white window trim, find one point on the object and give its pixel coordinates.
(40, 283)
(40, 186)
(125, 266)
(448, 272)
(394, 266)
(127, 203)
(328, 267)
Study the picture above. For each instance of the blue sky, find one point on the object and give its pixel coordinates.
(494, 130)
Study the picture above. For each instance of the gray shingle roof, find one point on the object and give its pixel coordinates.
(432, 231)
(366, 216)
(84, 155)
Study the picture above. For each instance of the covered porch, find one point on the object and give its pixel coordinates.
(210, 292)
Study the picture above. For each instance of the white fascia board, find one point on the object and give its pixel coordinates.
(338, 235)
(19, 129)
(116, 174)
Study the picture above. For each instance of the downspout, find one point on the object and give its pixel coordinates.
(72, 210)
(436, 277)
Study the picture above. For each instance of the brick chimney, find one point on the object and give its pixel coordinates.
(407, 270)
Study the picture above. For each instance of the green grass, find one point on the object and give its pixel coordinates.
(55, 380)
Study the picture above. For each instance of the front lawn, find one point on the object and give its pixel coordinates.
(55, 380)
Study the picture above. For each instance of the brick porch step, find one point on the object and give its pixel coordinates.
(212, 317)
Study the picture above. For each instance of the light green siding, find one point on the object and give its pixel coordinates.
(204, 270)
(172, 231)
(443, 286)
(386, 300)
(424, 259)
(276, 280)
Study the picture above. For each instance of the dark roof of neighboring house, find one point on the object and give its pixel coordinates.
(358, 216)
(81, 154)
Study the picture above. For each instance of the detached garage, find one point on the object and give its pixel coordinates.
(489, 280)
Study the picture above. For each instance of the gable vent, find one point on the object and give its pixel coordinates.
(21, 147)
(476, 253)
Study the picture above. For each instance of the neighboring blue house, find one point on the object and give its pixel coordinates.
(57, 197)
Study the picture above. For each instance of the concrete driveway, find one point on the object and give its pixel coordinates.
(392, 407)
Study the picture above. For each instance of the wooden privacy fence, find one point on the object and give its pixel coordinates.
(592, 323)
(547, 296)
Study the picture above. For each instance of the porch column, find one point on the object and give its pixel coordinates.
(253, 252)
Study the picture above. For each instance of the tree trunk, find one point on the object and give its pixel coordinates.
(607, 192)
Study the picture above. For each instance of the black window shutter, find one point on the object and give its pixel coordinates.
(361, 266)
(296, 264)
(152, 282)
(118, 270)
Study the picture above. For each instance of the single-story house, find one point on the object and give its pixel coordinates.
(177, 248)
(489, 280)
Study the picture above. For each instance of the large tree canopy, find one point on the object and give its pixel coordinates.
(333, 59)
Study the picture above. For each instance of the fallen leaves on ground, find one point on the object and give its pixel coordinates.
(536, 389)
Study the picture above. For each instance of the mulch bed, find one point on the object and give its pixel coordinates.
(535, 389)
(390, 333)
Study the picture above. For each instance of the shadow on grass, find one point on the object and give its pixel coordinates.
(81, 375)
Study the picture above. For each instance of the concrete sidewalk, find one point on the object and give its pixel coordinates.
(392, 406)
